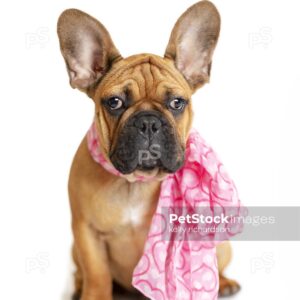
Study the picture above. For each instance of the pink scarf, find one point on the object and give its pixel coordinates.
(173, 268)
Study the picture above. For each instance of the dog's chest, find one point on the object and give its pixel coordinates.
(134, 213)
(139, 205)
(118, 208)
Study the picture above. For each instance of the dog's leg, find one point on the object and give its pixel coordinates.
(227, 287)
(92, 257)
(78, 277)
(76, 296)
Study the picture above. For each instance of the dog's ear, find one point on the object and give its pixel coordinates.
(86, 47)
(193, 41)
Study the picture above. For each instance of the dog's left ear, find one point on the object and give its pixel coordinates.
(193, 41)
(86, 47)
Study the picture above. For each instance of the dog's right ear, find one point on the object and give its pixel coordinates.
(86, 47)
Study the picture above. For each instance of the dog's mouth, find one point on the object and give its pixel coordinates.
(137, 162)
(147, 144)
(148, 167)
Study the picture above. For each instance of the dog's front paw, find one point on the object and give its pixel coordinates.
(228, 287)
(76, 295)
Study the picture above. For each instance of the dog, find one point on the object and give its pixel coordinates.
(140, 101)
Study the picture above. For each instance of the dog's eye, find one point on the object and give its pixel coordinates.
(114, 103)
(177, 104)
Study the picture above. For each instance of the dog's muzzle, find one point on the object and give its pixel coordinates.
(147, 141)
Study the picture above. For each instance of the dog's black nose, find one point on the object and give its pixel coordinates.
(148, 124)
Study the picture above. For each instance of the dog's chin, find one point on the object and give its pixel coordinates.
(148, 170)
(146, 175)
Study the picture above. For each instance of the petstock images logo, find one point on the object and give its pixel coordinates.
(234, 223)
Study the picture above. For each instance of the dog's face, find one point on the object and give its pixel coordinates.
(143, 105)
(143, 102)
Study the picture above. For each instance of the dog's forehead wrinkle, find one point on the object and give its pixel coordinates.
(151, 79)
(148, 71)
(148, 78)
(140, 78)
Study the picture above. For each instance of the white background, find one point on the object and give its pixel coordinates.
(249, 113)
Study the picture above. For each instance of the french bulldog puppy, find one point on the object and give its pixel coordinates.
(140, 101)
